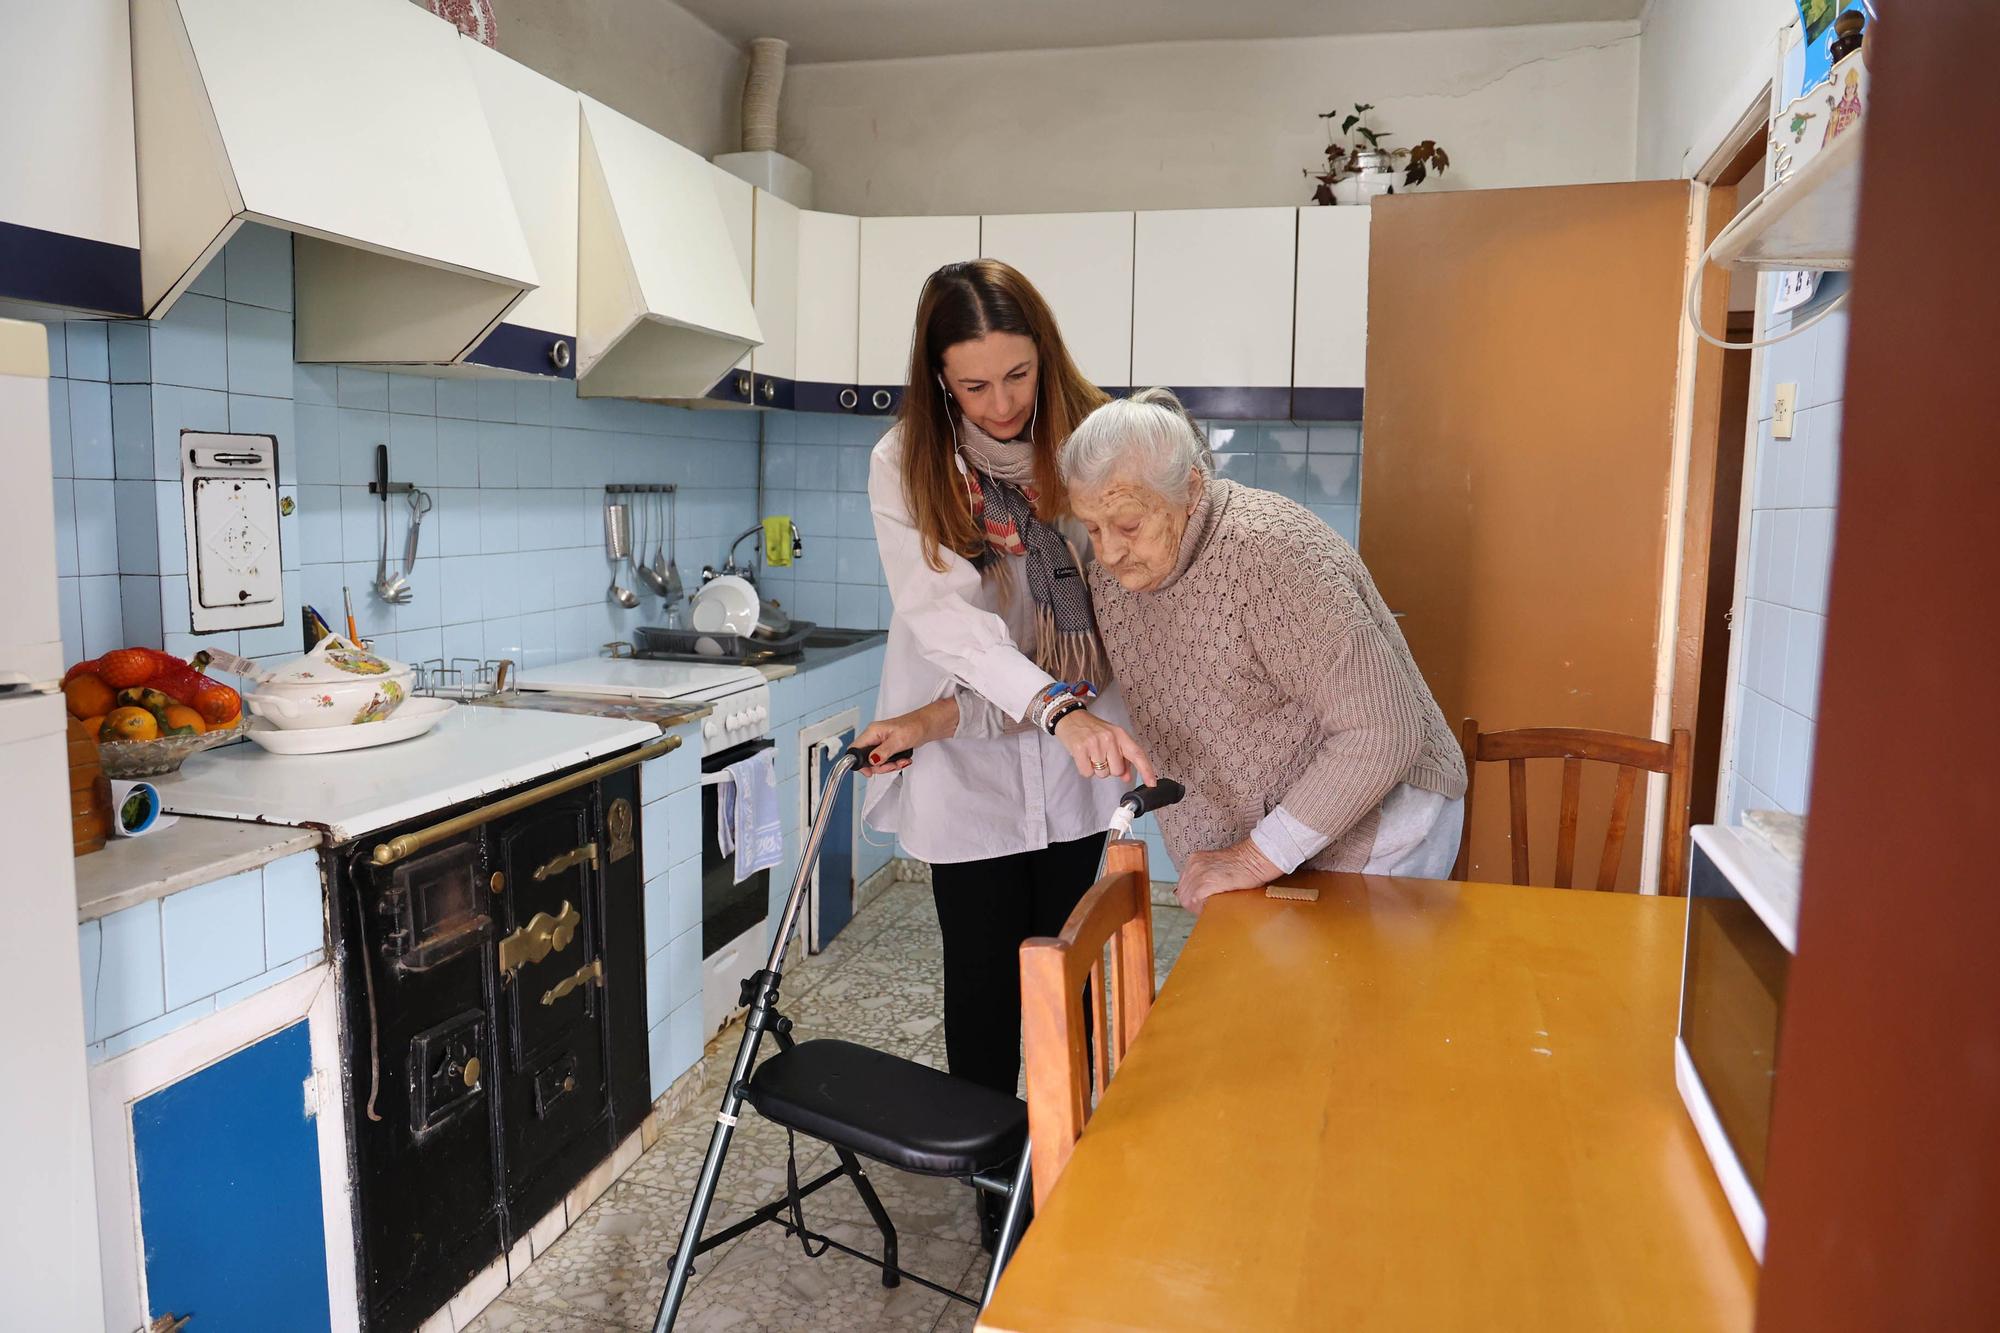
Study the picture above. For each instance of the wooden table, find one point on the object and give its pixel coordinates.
(1408, 1105)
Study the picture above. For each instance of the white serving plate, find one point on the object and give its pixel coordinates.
(414, 718)
(725, 605)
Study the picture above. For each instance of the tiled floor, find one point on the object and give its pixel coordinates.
(879, 984)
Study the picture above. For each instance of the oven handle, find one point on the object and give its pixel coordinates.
(394, 850)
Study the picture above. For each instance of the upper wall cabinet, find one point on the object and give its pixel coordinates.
(355, 126)
(737, 198)
(535, 124)
(1330, 344)
(69, 203)
(829, 289)
(776, 292)
(897, 255)
(663, 309)
(1081, 263)
(1212, 308)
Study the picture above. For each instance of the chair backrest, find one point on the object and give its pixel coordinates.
(1064, 1082)
(1574, 746)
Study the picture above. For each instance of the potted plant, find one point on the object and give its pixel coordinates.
(1358, 167)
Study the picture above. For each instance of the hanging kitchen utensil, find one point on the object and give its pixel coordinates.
(389, 587)
(618, 545)
(640, 566)
(674, 591)
(420, 504)
(659, 547)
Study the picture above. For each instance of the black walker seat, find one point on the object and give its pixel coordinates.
(896, 1111)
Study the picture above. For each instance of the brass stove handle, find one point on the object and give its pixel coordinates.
(586, 854)
(543, 935)
(396, 849)
(583, 976)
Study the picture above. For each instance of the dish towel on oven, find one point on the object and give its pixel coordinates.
(747, 822)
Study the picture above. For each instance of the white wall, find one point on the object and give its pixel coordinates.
(650, 59)
(1205, 123)
(1700, 64)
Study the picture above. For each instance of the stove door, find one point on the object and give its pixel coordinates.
(554, 1102)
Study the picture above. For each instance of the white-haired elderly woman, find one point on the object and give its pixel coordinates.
(1260, 666)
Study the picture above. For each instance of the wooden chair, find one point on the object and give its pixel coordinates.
(1064, 1083)
(1574, 745)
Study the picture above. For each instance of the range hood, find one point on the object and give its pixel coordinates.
(357, 127)
(663, 310)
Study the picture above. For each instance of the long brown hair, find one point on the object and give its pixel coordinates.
(960, 302)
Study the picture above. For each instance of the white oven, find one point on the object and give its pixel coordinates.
(1742, 913)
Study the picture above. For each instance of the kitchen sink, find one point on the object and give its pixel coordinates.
(826, 637)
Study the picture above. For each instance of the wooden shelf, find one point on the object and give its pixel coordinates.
(1806, 222)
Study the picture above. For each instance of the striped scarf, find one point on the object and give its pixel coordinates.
(1000, 484)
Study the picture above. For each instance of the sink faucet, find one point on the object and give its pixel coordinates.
(749, 571)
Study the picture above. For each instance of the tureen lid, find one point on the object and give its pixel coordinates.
(335, 659)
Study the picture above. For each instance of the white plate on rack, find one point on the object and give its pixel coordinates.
(725, 605)
(414, 718)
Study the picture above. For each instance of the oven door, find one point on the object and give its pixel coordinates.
(728, 909)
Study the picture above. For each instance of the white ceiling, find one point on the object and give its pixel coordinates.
(828, 30)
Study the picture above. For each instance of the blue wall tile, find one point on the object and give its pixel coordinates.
(294, 916)
(128, 983)
(259, 346)
(89, 428)
(86, 350)
(213, 936)
(61, 462)
(131, 343)
(190, 346)
(362, 388)
(257, 267)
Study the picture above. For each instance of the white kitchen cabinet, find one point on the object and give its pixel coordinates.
(69, 198)
(775, 291)
(535, 124)
(829, 295)
(1081, 263)
(663, 308)
(1330, 341)
(738, 200)
(355, 126)
(897, 255)
(1212, 308)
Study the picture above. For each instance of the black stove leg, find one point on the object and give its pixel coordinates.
(891, 1273)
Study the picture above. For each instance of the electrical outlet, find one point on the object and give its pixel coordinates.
(1784, 405)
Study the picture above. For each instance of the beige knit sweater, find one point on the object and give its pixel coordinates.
(1266, 670)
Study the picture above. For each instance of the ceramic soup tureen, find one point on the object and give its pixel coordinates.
(337, 684)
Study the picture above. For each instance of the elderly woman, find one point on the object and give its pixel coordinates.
(1260, 666)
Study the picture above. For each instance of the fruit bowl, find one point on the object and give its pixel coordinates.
(150, 759)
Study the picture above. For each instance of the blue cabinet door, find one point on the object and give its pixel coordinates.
(229, 1193)
(833, 891)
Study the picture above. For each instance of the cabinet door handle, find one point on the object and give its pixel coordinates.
(881, 399)
(849, 399)
(586, 854)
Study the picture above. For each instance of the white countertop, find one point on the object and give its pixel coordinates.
(130, 871)
(472, 752)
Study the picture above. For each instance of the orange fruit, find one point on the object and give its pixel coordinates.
(126, 667)
(94, 726)
(218, 704)
(179, 715)
(129, 724)
(88, 667)
(88, 696)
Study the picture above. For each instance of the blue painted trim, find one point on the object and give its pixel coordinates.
(724, 390)
(784, 394)
(1326, 405)
(50, 268)
(518, 347)
(1238, 404)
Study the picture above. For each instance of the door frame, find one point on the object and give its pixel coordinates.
(122, 1080)
(1697, 397)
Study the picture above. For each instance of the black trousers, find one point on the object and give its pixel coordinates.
(985, 909)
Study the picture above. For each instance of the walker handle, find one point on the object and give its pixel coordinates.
(859, 754)
(1143, 801)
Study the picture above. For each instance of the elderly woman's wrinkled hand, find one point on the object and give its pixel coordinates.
(1102, 750)
(1226, 871)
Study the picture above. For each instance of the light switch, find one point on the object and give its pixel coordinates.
(1784, 403)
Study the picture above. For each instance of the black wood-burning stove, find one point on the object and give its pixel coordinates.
(494, 1003)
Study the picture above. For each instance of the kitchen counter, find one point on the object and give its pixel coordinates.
(472, 752)
(194, 851)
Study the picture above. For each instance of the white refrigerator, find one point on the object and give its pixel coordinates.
(48, 1229)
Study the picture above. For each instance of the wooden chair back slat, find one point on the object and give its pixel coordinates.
(1576, 746)
(1063, 1086)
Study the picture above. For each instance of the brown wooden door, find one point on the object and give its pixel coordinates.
(1519, 425)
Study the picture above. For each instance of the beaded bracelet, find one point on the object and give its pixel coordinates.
(1056, 693)
(1070, 704)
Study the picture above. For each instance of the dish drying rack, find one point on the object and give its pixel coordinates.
(463, 678)
(695, 645)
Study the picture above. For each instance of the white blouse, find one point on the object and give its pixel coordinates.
(975, 796)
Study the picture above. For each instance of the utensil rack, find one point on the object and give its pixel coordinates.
(463, 677)
(641, 488)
